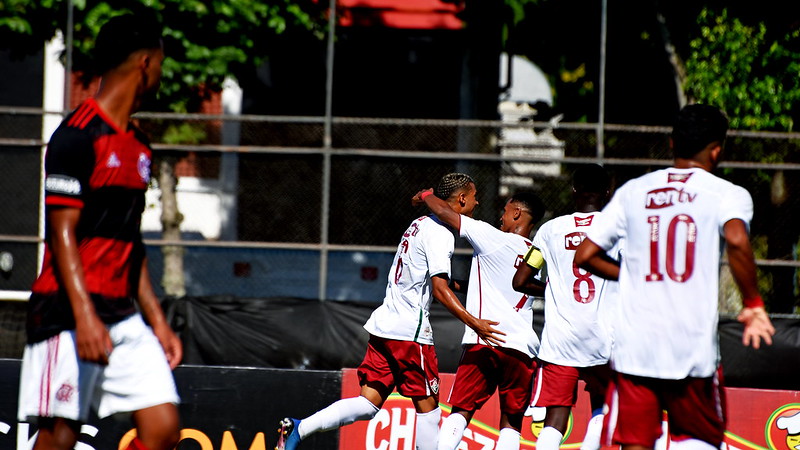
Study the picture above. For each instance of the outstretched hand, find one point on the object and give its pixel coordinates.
(757, 326)
(416, 200)
(488, 333)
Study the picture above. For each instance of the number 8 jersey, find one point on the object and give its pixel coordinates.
(670, 223)
(577, 304)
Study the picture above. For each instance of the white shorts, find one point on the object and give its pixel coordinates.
(54, 383)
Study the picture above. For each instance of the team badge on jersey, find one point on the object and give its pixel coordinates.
(143, 165)
(65, 392)
(434, 383)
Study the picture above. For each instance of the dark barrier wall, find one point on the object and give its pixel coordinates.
(293, 333)
(222, 408)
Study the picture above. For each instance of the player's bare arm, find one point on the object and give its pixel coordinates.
(525, 282)
(438, 207)
(484, 328)
(757, 325)
(92, 339)
(151, 310)
(590, 256)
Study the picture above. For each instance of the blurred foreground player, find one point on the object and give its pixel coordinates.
(673, 224)
(87, 344)
(400, 353)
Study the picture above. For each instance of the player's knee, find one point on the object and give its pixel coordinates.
(159, 429)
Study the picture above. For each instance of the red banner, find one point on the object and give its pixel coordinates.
(757, 419)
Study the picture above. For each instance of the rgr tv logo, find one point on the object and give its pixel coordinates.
(573, 240)
(666, 197)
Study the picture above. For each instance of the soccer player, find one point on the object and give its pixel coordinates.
(576, 339)
(672, 223)
(485, 368)
(400, 353)
(87, 345)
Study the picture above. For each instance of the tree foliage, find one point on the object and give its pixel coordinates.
(737, 67)
(205, 41)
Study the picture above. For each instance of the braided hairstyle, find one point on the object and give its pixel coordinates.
(452, 183)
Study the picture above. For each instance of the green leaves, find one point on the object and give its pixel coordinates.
(205, 40)
(738, 68)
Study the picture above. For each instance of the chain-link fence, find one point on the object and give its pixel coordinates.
(270, 210)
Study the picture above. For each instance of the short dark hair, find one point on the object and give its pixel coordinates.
(452, 183)
(696, 127)
(591, 178)
(530, 201)
(123, 35)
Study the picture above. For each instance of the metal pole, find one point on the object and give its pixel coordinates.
(326, 156)
(601, 116)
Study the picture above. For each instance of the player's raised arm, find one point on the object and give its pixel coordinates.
(590, 256)
(484, 328)
(438, 207)
(757, 325)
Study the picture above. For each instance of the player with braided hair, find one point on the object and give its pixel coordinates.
(400, 352)
(451, 183)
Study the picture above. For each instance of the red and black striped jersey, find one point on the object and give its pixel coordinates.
(104, 171)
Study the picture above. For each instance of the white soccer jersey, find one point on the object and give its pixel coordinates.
(490, 294)
(577, 304)
(424, 251)
(671, 224)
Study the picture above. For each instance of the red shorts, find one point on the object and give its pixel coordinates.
(695, 409)
(410, 367)
(484, 369)
(558, 385)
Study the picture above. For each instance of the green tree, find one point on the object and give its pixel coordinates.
(205, 41)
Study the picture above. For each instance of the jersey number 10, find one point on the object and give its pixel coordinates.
(689, 238)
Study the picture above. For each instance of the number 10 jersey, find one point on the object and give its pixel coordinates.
(670, 223)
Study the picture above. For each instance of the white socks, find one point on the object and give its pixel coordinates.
(591, 441)
(549, 439)
(452, 431)
(342, 412)
(428, 429)
(508, 440)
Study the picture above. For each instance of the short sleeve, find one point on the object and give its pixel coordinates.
(736, 204)
(483, 237)
(68, 164)
(439, 248)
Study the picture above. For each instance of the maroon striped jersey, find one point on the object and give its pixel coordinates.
(93, 165)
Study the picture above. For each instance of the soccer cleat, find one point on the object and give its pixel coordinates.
(288, 436)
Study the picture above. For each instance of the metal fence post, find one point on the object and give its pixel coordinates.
(326, 155)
